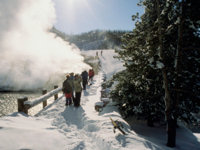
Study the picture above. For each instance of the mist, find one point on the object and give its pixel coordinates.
(30, 55)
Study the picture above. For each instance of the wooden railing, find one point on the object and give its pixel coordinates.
(24, 104)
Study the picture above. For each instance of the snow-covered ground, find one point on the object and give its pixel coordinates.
(58, 127)
(110, 65)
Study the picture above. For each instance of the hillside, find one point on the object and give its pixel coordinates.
(93, 40)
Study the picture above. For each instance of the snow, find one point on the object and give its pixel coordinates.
(110, 65)
(99, 104)
(58, 127)
(159, 65)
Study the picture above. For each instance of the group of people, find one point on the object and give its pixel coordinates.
(74, 84)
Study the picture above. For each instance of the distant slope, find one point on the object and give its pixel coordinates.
(94, 40)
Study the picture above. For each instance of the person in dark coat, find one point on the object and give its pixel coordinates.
(67, 90)
(84, 76)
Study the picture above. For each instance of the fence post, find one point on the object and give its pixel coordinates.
(56, 95)
(21, 106)
(44, 102)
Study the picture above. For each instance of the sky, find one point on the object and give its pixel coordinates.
(58, 127)
(78, 16)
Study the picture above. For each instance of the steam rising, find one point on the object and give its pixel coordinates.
(30, 55)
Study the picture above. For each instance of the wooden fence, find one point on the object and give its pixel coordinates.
(24, 104)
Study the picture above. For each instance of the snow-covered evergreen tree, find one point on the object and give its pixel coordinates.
(161, 56)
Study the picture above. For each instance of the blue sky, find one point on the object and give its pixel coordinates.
(78, 16)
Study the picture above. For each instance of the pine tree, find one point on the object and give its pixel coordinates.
(161, 56)
(141, 59)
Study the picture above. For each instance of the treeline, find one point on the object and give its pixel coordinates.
(97, 39)
(162, 59)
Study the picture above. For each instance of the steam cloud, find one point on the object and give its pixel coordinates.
(29, 54)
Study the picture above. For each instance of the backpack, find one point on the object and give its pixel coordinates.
(66, 87)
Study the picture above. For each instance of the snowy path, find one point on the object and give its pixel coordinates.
(78, 124)
(86, 129)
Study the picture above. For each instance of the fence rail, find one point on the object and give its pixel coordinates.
(24, 104)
